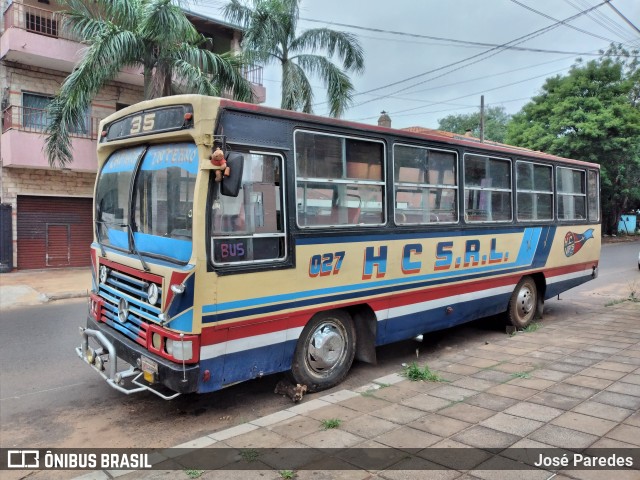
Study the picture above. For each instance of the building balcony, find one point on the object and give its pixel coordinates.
(33, 36)
(23, 140)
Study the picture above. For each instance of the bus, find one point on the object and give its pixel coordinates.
(234, 241)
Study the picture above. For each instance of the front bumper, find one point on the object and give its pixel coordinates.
(171, 379)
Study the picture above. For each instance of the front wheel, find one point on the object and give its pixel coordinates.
(325, 351)
(523, 303)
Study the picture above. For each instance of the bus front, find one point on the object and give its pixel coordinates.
(142, 331)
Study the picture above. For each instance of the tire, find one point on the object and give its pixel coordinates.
(325, 351)
(523, 304)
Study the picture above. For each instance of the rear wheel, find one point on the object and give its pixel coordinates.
(523, 303)
(325, 351)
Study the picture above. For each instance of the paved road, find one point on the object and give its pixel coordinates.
(49, 398)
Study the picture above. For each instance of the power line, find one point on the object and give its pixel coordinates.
(623, 17)
(601, 19)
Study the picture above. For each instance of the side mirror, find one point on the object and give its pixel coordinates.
(230, 186)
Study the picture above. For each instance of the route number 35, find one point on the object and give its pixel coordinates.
(142, 123)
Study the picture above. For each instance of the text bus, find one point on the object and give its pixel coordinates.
(328, 239)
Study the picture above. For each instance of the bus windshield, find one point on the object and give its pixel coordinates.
(160, 201)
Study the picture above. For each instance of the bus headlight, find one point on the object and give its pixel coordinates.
(156, 340)
(180, 350)
(152, 294)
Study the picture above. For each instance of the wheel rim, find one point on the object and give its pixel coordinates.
(526, 302)
(327, 348)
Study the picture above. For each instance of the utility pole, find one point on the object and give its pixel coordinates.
(482, 118)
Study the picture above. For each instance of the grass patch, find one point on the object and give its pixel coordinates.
(194, 473)
(414, 373)
(287, 474)
(615, 302)
(521, 375)
(249, 454)
(331, 423)
(532, 327)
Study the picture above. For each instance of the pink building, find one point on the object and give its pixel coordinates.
(51, 208)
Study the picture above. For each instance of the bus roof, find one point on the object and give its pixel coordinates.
(409, 133)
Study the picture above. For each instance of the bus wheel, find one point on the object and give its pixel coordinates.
(523, 303)
(325, 351)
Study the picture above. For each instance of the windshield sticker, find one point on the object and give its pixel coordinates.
(183, 155)
(123, 160)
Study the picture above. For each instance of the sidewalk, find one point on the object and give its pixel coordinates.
(34, 287)
(573, 383)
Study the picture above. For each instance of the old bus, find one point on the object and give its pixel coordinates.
(327, 239)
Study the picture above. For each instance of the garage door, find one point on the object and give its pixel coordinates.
(53, 232)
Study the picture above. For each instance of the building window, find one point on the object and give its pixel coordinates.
(36, 117)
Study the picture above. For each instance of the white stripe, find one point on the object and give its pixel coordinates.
(249, 343)
(569, 276)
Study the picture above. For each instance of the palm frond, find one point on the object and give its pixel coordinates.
(297, 93)
(342, 44)
(339, 87)
(166, 24)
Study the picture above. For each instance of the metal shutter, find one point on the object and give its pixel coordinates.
(53, 232)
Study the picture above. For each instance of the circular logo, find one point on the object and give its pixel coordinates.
(123, 310)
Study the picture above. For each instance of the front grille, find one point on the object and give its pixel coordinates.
(121, 287)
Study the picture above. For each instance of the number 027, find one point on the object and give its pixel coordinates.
(325, 264)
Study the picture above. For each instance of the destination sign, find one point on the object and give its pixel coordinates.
(146, 122)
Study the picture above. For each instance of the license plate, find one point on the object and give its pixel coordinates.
(148, 366)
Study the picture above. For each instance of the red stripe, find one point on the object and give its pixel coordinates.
(132, 271)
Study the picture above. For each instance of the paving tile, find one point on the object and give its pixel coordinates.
(534, 411)
(584, 423)
(406, 437)
(448, 454)
(515, 425)
(566, 367)
(493, 402)
(605, 442)
(599, 349)
(260, 438)
(601, 410)
(593, 355)
(633, 420)
(452, 393)
(307, 406)
(331, 438)
(563, 437)
(548, 374)
(440, 425)
(467, 413)
(273, 418)
(461, 369)
(478, 362)
(500, 467)
(554, 400)
(297, 427)
(512, 391)
(414, 469)
(618, 400)
(233, 431)
(425, 402)
(493, 376)
(625, 388)
(483, 437)
(589, 382)
(368, 426)
(626, 433)
(616, 366)
(365, 404)
(339, 396)
(633, 378)
(585, 362)
(575, 391)
(472, 383)
(513, 368)
(531, 382)
(334, 411)
(603, 373)
(399, 414)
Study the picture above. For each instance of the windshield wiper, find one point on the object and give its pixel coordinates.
(134, 248)
(99, 235)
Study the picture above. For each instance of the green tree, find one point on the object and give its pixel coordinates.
(153, 34)
(495, 124)
(270, 36)
(591, 114)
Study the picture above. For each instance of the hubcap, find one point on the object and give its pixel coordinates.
(326, 348)
(526, 302)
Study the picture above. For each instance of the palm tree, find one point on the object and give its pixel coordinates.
(270, 37)
(154, 34)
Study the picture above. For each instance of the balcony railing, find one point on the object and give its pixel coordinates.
(37, 120)
(253, 74)
(36, 20)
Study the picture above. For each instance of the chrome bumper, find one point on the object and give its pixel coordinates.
(108, 369)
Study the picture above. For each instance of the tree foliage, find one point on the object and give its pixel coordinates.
(152, 34)
(591, 114)
(495, 124)
(271, 36)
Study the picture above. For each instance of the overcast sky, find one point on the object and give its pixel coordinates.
(419, 80)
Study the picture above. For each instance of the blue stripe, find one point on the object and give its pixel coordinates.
(529, 250)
